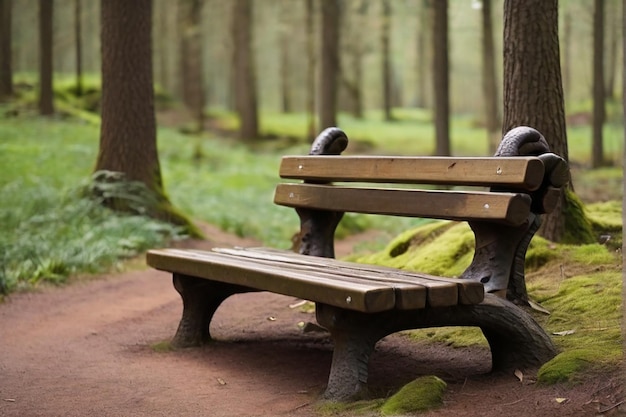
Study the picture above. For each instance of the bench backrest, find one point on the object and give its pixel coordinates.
(518, 175)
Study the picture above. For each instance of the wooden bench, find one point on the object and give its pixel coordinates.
(360, 304)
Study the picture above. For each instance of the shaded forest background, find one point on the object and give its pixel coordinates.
(279, 45)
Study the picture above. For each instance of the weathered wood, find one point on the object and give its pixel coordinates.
(523, 173)
(452, 205)
(325, 280)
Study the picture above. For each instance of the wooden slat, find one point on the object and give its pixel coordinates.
(411, 293)
(361, 296)
(452, 205)
(470, 292)
(524, 173)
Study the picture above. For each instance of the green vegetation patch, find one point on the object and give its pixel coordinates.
(422, 394)
(567, 366)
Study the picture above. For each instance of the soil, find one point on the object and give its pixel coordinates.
(91, 348)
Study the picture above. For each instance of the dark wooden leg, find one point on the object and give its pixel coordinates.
(354, 335)
(201, 298)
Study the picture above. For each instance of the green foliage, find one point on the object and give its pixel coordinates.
(422, 394)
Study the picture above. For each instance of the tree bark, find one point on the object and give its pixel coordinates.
(385, 41)
(6, 60)
(128, 130)
(285, 64)
(244, 70)
(310, 70)
(423, 30)
(190, 13)
(441, 77)
(46, 106)
(533, 93)
(598, 93)
(490, 90)
(79, 48)
(567, 53)
(329, 63)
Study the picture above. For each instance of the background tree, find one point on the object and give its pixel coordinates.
(490, 90)
(441, 76)
(192, 81)
(385, 44)
(598, 93)
(128, 130)
(284, 37)
(79, 47)
(6, 65)
(422, 52)
(533, 96)
(354, 48)
(244, 70)
(330, 68)
(46, 106)
(310, 69)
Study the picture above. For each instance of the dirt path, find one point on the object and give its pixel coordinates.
(85, 350)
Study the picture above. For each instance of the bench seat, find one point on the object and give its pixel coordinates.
(364, 288)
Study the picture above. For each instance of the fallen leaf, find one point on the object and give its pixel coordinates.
(9, 400)
(271, 318)
(520, 375)
(564, 333)
(561, 400)
(297, 304)
(221, 381)
(538, 307)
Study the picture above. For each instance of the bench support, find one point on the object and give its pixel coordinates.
(201, 298)
(515, 338)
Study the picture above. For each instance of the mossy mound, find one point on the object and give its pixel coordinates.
(566, 366)
(422, 394)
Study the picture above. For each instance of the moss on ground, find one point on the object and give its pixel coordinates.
(422, 394)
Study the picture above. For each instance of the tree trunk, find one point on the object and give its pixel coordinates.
(128, 130)
(490, 93)
(567, 53)
(46, 106)
(190, 13)
(285, 67)
(423, 30)
(6, 61)
(612, 48)
(244, 70)
(310, 71)
(385, 40)
(330, 63)
(531, 59)
(79, 49)
(441, 77)
(597, 152)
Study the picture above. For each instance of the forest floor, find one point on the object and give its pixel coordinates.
(89, 348)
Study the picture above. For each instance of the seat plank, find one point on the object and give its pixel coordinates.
(507, 208)
(522, 173)
(361, 296)
(469, 292)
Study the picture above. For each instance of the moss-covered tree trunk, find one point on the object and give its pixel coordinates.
(128, 132)
(533, 96)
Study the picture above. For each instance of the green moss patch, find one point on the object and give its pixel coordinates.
(566, 366)
(422, 394)
(162, 347)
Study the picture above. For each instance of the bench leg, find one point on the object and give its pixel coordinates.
(354, 336)
(201, 298)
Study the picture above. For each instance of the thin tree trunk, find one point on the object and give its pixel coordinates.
(441, 77)
(385, 35)
(490, 93)
(6, 60)
(191, 59)
(79, 49)
(310, 71)
(285, 67)
(329, 63)
(46, 106)
(597, 152)
(567, 53)
(244, 72)
(422, 53)
(613, 49)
